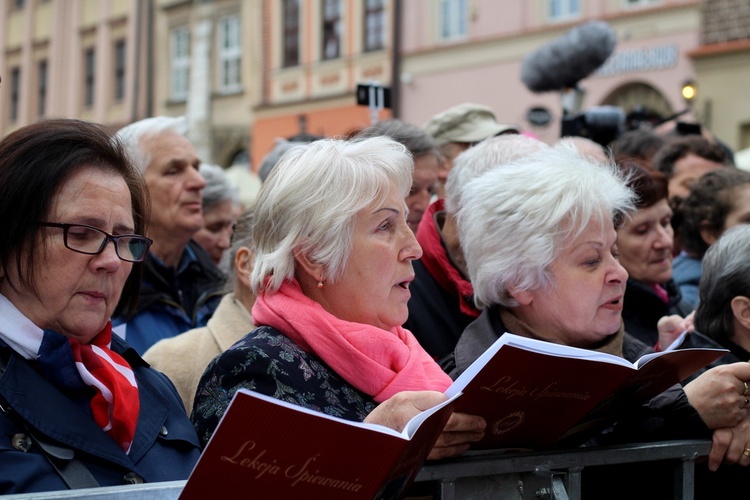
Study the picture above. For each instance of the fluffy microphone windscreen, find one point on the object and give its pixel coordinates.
(568, 59)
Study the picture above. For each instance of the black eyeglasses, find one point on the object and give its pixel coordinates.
(91, 241)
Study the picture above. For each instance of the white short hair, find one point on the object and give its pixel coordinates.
(219, 187)
(512, 221)
(478, 159)
(131, 136)
(310, 201)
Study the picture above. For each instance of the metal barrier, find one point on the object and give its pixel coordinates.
(554, 475)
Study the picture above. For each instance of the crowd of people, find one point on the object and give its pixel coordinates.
(368, 274)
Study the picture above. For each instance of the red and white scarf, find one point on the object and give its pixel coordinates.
(115, 404)
(378, 362)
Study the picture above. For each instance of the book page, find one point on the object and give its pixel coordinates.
(409, 429)
(565, 351)
(677, 342)
(365, 425)
(532, 345)
(413, 424)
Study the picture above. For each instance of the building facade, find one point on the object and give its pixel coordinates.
(473, 50)
(208, 60)
(722, 70)
(247, 72)
(315, 53)
(118, 61)
(73, 59)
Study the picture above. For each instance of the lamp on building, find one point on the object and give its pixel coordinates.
(689, 91)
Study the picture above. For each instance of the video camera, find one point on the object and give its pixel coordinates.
(601, 124)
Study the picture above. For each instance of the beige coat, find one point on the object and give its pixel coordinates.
(184, 358)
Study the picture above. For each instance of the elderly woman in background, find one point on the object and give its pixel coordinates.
(542, 254)
(332, 271)
(72, 394)
(427, 163)
(717, 201)
(645, 241)
(723, 313)
(442, 302)
(184, 358)
(722, 318)
(221, 205)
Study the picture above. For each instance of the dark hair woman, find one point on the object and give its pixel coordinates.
(66, 192)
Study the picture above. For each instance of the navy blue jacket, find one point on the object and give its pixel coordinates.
(171, 302)
(165, 446)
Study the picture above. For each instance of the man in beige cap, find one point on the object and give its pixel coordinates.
(458, 128)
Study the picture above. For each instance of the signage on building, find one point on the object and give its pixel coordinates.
(374, 95)
(647, 59)
(539, 116)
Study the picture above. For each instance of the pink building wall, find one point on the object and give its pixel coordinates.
(512, 30)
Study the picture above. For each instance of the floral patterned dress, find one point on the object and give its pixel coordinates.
(268, 362)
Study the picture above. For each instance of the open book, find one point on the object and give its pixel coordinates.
(534, 394)
(268, 448)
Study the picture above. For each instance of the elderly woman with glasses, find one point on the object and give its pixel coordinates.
(79, 408)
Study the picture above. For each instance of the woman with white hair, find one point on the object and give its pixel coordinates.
(333, 265)
(540, 245)
(540, 249)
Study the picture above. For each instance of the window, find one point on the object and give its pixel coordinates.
(15, 89)
(291, 33)
(119, 70)
(560, 10)
(41, 88)
(453, 19)
(331, 29)
(229, 53)
(88, 77)
(374, 25)
(639, 3)
(179, 62)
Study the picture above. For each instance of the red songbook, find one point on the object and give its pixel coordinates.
(268, 448)
(536, 394)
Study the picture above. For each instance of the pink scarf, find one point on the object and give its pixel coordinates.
(379, 363)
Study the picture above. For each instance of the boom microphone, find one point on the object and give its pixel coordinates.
(568, 59)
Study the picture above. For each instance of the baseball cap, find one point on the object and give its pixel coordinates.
(465, 122)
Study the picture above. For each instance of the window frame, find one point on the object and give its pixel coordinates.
(567, 10)
(453, 20)
(374, 25)
(120, 66)
(179, 63)
(15, 94)
(229, 53)
(42, 74)
(635, 4)
(89, 76)
(330, 29)
(290, 32)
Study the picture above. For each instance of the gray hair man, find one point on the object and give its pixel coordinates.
(181, 285)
